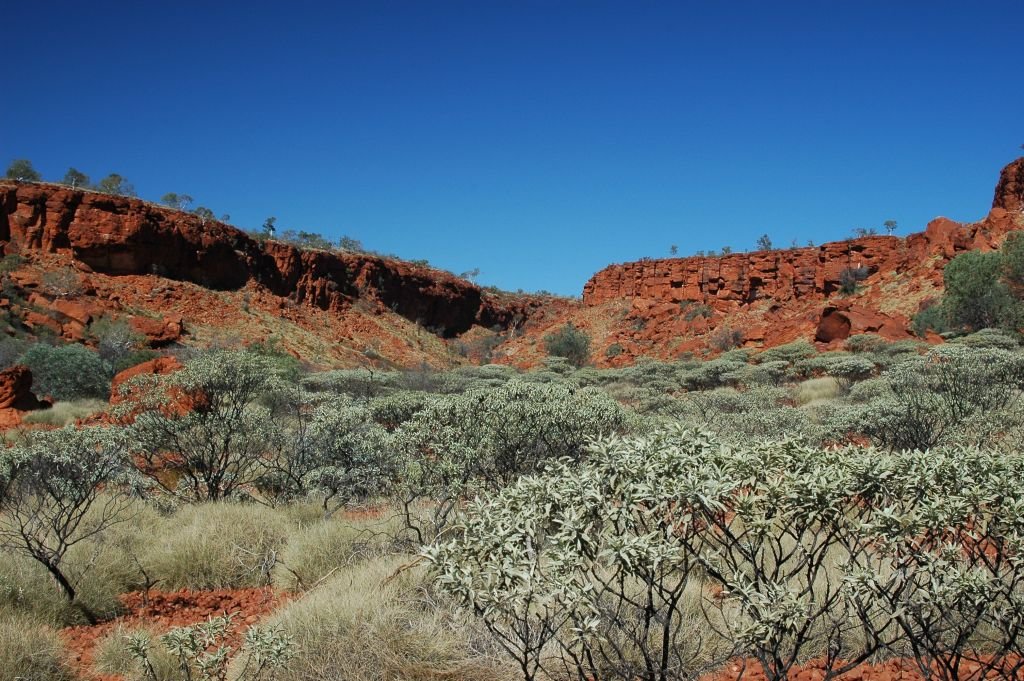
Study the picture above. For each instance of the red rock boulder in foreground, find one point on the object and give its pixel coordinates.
(16, 398)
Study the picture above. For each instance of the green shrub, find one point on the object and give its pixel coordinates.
(850, 278)
(569, 342)
(486, 438)
(391, 411)
(990, 338)
(954, 395)
(219, 448)
(813, 549)
(11, 350)
(67, 372)
(789, 353)
(11, 262)
(864, 342)
(931, 317)
(59, 489)
(976, 296)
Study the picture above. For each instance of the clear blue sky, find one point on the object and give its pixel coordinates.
(538, 141)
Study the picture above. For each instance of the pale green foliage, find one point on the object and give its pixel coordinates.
(484, 439)
(816, 552)
(249, 432)
(790, 352)
(990, 338)
(759, 412)
(217, 448)
(201, 652)
(955, 394)
(712, 374)
(864, 342)
(59, 488)
(569, 342)
(391, 411)
(329, 447)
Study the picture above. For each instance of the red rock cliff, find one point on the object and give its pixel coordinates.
(117, 235)
(773, 297)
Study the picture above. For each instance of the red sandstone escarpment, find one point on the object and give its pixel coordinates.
(772, 297)
(119, 236)
(348, 309)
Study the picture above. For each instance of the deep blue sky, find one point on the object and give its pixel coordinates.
(538, 141)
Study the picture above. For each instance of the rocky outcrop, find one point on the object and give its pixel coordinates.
(741, 279)
(825, 293)
(116, 235)
(1009, 193)
(159, 332)
(16, 398)
(16, 389)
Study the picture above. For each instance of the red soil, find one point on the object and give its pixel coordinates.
(897, 669)
(161, 611)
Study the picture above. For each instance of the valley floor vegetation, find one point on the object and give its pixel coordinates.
(655, 522)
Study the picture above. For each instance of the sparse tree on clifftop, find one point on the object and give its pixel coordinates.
(21, 169)
(764, 243)
(115, 184)
(75, 178)
(176, 201)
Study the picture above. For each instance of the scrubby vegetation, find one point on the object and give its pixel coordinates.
(651, 521)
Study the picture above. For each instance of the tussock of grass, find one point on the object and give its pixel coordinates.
(27, 590)
(217, 546)
(63, 413)
(321, 548)
(815, 391)
(367, 624)
(30, 650)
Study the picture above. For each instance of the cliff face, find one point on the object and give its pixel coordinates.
(176, 276)
(782, 276)
(120, 236)
(773, 297)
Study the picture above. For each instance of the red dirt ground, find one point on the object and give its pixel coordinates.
(167, 610)
(890, 670)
